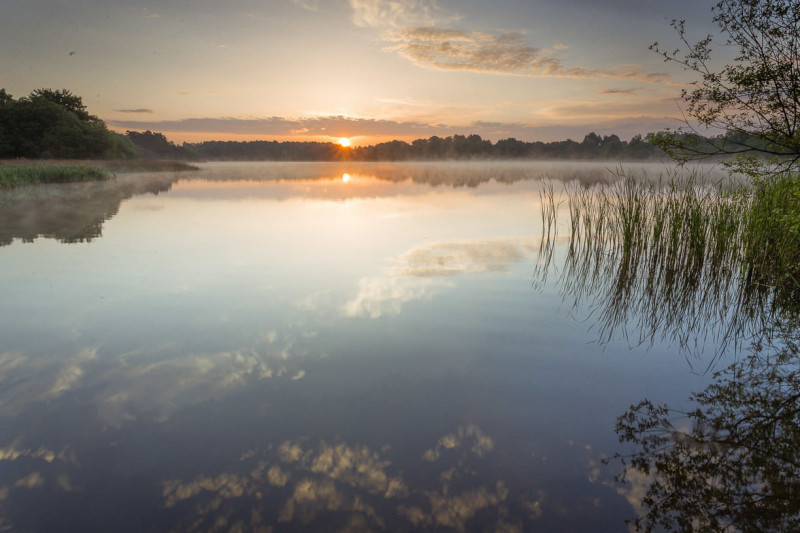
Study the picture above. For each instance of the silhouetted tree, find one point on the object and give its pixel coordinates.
(65, 99)
(55, 124)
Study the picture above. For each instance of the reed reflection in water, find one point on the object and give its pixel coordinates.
(675, 259)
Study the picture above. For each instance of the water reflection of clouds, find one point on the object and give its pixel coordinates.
(40, 468)
(471, 435)
(386, 295)
(33, 379)
(463, 257)
(417, 274)
(308, 485)
(162, 387)
(157, 381)
(13, 453)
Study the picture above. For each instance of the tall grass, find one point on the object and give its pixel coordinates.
(16, 175)
(682, 259)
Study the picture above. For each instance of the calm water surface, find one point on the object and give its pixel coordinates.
(319, 347)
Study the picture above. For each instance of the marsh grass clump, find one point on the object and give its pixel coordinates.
(772, 250)
(16, 175)
(683, 258)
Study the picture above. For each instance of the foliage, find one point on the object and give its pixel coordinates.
(51, 124)
(732, 462)
(16, 175)
(772, 248)
(755, 99)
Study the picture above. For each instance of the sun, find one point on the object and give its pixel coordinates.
(344, 142)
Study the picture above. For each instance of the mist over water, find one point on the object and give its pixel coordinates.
(308, 347)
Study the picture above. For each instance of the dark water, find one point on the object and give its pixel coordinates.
(259, 347)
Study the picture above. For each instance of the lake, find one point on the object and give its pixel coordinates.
(316, 347)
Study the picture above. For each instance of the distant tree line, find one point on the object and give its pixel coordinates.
(153, 145)
(54, 124)
(593, 147)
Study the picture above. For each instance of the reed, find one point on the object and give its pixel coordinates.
(680, 258)
(16, 175)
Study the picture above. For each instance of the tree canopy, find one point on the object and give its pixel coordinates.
(754, 100)
(55, 124)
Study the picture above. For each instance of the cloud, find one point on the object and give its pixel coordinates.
(398, 13)
(200, 93)
(504, 53)
(620, 91)
(554, 128)
(139, 110)
(328, 126)
(603, 109)
(310, 5)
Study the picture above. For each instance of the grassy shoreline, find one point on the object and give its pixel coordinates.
(15, 173)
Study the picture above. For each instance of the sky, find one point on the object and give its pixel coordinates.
(367, 70)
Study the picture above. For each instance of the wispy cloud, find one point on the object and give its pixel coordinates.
(329, 126)
(200, 93)
(139, 110)
(505, 53)
(621, 91)
(557, 123)
(310, 5)
(398, 13)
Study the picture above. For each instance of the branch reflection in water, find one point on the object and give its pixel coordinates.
(730, 462)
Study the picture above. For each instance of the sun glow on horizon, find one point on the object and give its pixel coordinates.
(344, 142)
